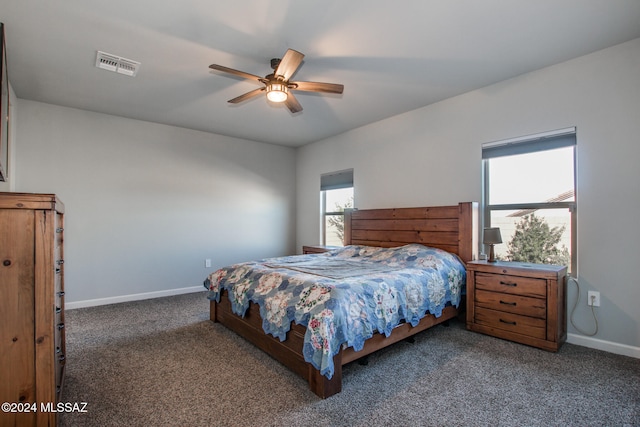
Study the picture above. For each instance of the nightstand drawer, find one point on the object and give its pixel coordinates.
(527, 306)
(525, 325)
(525, 286)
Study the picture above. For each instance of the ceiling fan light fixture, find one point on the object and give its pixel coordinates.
(278, 84)
(277, 92)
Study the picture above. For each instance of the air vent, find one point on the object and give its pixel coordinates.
(117, 64)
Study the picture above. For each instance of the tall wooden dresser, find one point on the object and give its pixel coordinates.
(32, 342)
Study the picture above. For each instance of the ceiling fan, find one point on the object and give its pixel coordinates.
(277, 85)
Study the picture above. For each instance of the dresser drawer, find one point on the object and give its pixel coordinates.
(524, 325)
(525, 286)
(58, 342)
(59, 230)
(527, 306)
(59, 352)
(60, 361)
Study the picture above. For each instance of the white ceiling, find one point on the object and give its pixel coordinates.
(392, 57)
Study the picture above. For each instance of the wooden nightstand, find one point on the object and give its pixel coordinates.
(521, 302)
(318, 249)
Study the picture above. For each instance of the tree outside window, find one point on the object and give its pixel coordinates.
(535, 241)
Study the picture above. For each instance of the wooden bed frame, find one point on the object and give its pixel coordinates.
(452, 228)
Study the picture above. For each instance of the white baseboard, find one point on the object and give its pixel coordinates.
(611, 347)
(132, 297)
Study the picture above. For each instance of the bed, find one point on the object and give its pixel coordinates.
(317, 312)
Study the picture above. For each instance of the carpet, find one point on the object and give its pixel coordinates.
(161, 362)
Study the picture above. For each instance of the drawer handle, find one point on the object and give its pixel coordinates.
(507, 322)
(60, 262)
(59, 230)
(61, 293)
(58, 350)
(513, 304)
(58, 271)
(60, 326)
(61, 359)
(59, 309)
(508, 284)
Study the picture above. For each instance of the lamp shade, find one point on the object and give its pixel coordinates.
(492, 236)
(277, 92)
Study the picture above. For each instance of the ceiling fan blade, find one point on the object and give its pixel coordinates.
(247, 95)
(235, 72)
(289, 64)
(292, 103)
(318, 87)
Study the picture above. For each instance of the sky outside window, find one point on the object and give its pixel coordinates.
(532, 177)
(338, 197)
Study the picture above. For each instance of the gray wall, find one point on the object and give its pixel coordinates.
(432, 156)
(146, 204)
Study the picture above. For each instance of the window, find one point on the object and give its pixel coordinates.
(336, 194)
(529, 193)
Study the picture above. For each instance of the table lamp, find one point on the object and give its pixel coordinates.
(492, 237)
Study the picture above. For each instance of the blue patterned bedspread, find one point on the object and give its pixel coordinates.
(329, 294)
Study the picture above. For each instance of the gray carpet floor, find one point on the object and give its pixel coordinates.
(161, 362)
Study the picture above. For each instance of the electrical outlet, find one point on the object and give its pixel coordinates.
(207, 264)
(593, 298)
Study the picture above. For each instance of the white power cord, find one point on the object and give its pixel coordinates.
(595, 319)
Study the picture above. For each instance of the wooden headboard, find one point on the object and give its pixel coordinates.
(452, 228)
